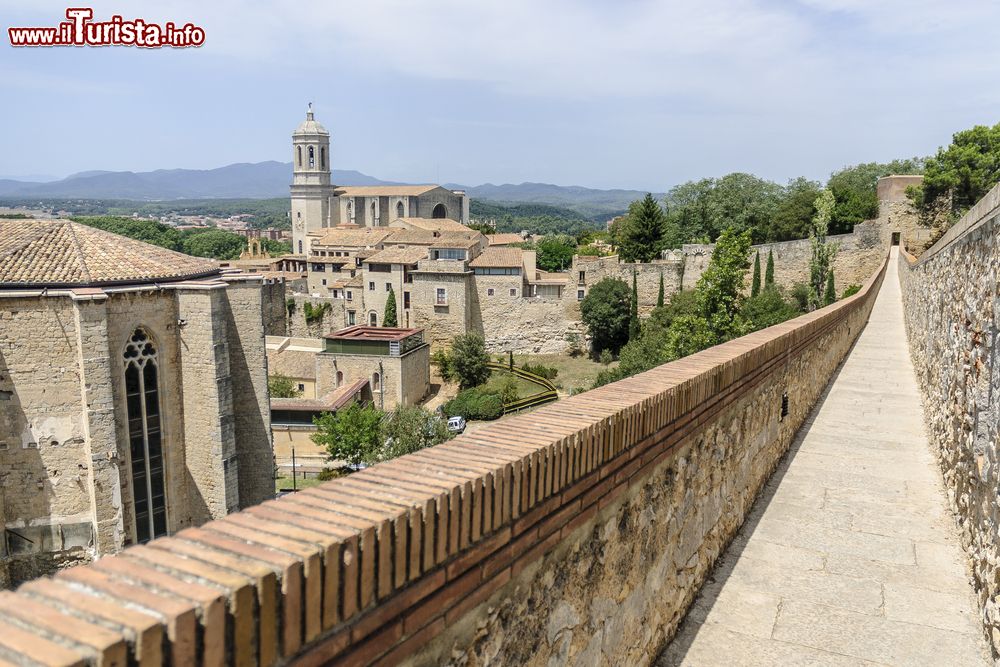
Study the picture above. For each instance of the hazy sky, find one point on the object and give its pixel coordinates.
(602, 93)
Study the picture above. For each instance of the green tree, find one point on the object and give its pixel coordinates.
(702, 209)
(959, 175)
(605, 312)
(755, 282)
(768, 308)
(555, 253)
(281, 386)
(659, 295)
(508, 390)
(769, 272)
(831, 290)
(389, 318)
(720, 286)
(469, 359)
(822, 252)
(350, 434)
(215, 243)
(634, 327)
(641, 236)
(408, 429)
(854, 191)
(793, 213)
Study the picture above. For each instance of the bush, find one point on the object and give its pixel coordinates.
(605, 311)
(281, 386)
(851, 290)
(469, 359)
(326, 474)
(475, 404)
(442, 361)
(547, 372)
(800, 295)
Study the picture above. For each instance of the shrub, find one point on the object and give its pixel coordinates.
(475, 404)
(281, 386)
(851, 290)
(469, 359)
(442, 361)
(547, 372)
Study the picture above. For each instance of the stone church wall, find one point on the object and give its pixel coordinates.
(952, 309)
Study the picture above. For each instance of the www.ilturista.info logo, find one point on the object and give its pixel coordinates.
(80, 30)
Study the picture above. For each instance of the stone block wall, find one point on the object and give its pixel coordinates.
(578, 533)
(952, 306)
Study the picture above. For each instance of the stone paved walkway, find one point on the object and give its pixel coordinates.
(850, 557)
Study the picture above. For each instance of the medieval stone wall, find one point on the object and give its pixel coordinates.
(952, 306)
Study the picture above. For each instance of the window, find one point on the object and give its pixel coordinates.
(324, 281)
(302, 387)
(298, 150)
(375, 213)
(373, 319)
(357, 261)
(490, 291)
(441, 296)
(371, 286)
(399, 210)
(322, 157)
(583, 277)
(388, 287)
(350, 317)
(340, 374)
(449, 253)
(350, 296)
(312, 157)
(579, 295)
(300, 247)
(406, 299)
(513, 291)
(142, 402)
(496, 271)
(376, 382)
(350, 210)
(319, 268)
(439, 211)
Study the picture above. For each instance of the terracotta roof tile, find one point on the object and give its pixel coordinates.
(432, 224)
(384, 190)
(498, 256)
(353, 236)
(399, 255)
(62, 253)
(504, 239)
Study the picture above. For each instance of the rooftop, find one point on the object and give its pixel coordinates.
(329, 402)
(438, 239)
(362, 332)
(504, 239)
(498, 257)
(62, 253)
(384, 190)
(353, 236)
(431, 224)
(399, 255)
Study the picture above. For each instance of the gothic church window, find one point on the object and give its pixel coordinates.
(439, 211)
(142, 401)
(399, 210)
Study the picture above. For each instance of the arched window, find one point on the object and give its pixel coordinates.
(350, 210)
(373, 319)
(340, 378)
(439, 211)
(399, 210)
(376, 381)
(322, 157)
(142, 401)
(375, 213)
(298, 149)
(312, 157)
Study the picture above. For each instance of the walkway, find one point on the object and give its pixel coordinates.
(850, 556)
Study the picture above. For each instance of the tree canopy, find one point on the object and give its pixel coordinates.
(640, 236)
(467, 360)
(958, 175)
(605, 311)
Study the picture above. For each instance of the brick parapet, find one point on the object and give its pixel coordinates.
(373, 567)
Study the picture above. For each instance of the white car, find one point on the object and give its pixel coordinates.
(456, 424)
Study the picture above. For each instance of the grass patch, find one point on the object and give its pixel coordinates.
(574, 372)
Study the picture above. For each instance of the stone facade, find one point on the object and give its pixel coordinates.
(952, 307)
(64, 430)
(404, 380)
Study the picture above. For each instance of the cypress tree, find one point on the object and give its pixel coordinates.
(659, 297)
(769, 272)
(389, 318)
(831, 290)
(641, 236)
(755, 285)
(633, 320)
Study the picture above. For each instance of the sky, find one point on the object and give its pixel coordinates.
(601, 93)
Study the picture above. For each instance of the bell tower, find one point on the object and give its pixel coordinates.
(310, 180)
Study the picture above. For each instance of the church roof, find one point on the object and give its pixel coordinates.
(62, 253)
(445, 239)
(504, 239)
(431, 224)
(310, 126)
(383, 190)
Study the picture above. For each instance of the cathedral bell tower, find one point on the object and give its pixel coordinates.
(310, 180)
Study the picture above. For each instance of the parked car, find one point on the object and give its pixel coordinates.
(456, 424)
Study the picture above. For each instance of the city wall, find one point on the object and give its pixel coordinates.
(952, 306)
(578, 533)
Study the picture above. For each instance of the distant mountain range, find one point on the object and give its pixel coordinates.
(263, 180)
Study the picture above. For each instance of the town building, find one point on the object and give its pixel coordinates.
(133, 394)
(317, 203)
